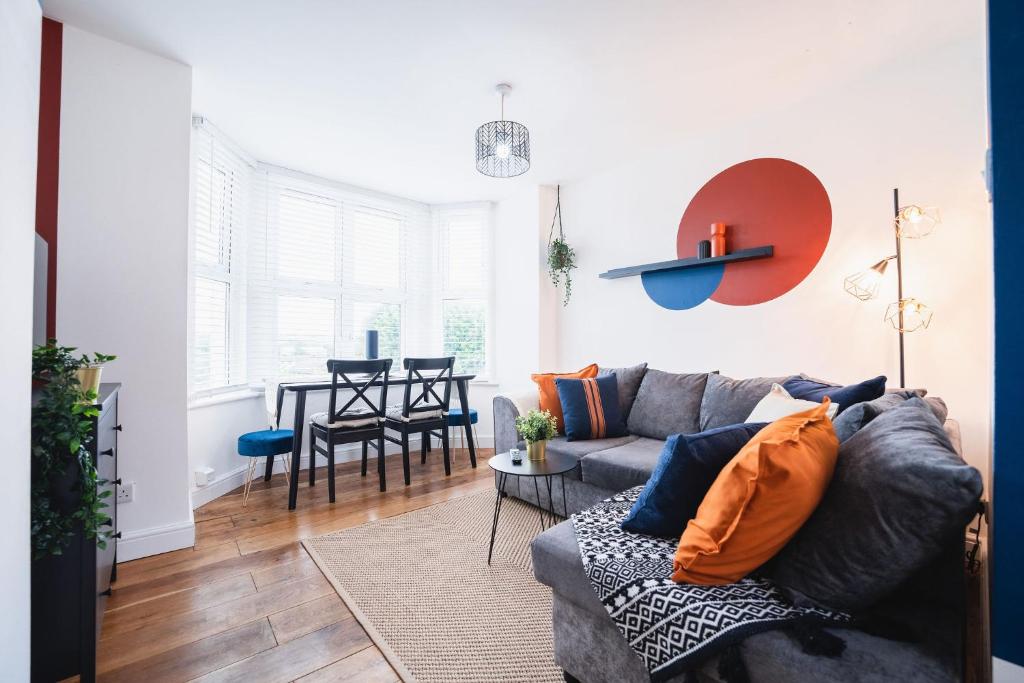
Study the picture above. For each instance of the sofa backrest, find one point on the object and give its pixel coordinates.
(728, 401)
(667, 403)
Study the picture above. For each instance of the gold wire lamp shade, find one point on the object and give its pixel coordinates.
(915, 221)
(864, 285)
(915, 315)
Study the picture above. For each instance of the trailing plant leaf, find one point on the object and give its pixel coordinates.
(561, 257)
(61, 435)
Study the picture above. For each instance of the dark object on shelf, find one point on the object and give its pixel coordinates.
(69, 591)
(718, 247)
(372, 344)
(704, 249)
(694, 262)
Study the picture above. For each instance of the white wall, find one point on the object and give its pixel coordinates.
(918, 124)
(122, 263)
(20, 28)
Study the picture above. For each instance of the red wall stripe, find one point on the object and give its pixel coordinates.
(49, 157)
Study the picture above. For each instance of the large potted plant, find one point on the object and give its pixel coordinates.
(536, 427)
(62, 415)
(69, 509)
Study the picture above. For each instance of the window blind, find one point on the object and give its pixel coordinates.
(219, 195)
(465, 296)
(329, 262)
(289, 270)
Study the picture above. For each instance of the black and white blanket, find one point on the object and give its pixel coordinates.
(674, 627)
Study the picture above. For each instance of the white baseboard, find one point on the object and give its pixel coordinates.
(229, 481)
(155, 540)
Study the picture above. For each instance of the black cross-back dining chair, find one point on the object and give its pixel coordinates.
(359, 420)
(424, 408)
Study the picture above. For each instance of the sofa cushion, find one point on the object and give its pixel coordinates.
(899, 493)
(853, 420)
(667, 403)
(578, 449)
(759, 500)
(590, 407)
(729, 401)
(557, 563)
(547, 394)
(622, 467)
(628, 380)
(809, 389)
(778, 404)
(686, 468)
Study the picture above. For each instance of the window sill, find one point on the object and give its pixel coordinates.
(226, 397)
(483, 383)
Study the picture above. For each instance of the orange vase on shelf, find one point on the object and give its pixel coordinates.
(718, 239)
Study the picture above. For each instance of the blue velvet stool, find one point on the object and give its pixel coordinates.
(455, 420)
(267, 443)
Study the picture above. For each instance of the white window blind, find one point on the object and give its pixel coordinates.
(219, 194)
(289, 270)
(464, 234)
(329, 263)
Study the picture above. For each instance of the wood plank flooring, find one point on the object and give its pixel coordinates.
(247, 603)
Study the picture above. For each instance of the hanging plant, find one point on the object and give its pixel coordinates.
(62, 417)
(561, 257)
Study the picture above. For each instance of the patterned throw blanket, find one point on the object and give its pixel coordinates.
(674, 627)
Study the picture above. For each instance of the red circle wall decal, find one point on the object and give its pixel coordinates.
(763, 202)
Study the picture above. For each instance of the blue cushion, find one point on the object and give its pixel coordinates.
(688, 465)
(590, 407)
(813, 390)
(266, 442)
(455, 416)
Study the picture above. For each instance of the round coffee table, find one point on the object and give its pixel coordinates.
(554, 465)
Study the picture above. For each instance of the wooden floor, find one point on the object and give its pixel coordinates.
(247, 603)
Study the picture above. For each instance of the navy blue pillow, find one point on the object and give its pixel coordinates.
(590, 407)
(812, 390)
(685, 471)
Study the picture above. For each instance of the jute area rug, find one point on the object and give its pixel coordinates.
(420, 585)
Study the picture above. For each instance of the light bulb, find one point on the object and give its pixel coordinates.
(502, 150)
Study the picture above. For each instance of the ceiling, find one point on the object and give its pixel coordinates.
(386, 94)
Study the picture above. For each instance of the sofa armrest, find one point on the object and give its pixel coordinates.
(506, 410)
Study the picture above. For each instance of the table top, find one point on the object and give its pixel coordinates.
(318, 384)
(552, 464)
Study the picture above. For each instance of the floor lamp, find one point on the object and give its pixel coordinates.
(905, 314)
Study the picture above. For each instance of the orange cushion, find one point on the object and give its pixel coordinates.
(759, 500)
(549, 394)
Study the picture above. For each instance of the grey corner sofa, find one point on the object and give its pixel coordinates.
(656, 404)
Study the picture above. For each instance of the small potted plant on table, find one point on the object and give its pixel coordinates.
(536, 427)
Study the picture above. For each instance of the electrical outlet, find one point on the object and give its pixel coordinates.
(126, 492)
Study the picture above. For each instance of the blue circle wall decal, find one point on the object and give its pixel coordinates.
(679, 290)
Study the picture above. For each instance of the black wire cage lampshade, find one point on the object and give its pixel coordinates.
(502, 147)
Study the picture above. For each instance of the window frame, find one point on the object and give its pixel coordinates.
(443, 215)
(233, 273)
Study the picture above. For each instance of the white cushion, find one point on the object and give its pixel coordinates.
(779, 404)
(395, 413)
(349, 420)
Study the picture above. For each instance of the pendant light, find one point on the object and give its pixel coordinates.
(502, 147)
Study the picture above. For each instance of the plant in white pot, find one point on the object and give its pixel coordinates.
(536, 427)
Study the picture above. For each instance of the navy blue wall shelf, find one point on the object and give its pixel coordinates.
(692, 262)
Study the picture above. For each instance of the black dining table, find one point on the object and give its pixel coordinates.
(300, 389)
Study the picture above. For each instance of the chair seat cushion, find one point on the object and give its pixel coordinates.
(265, 442)
(347, 421)
(455, 416)
(395, 413)
(624, 466)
